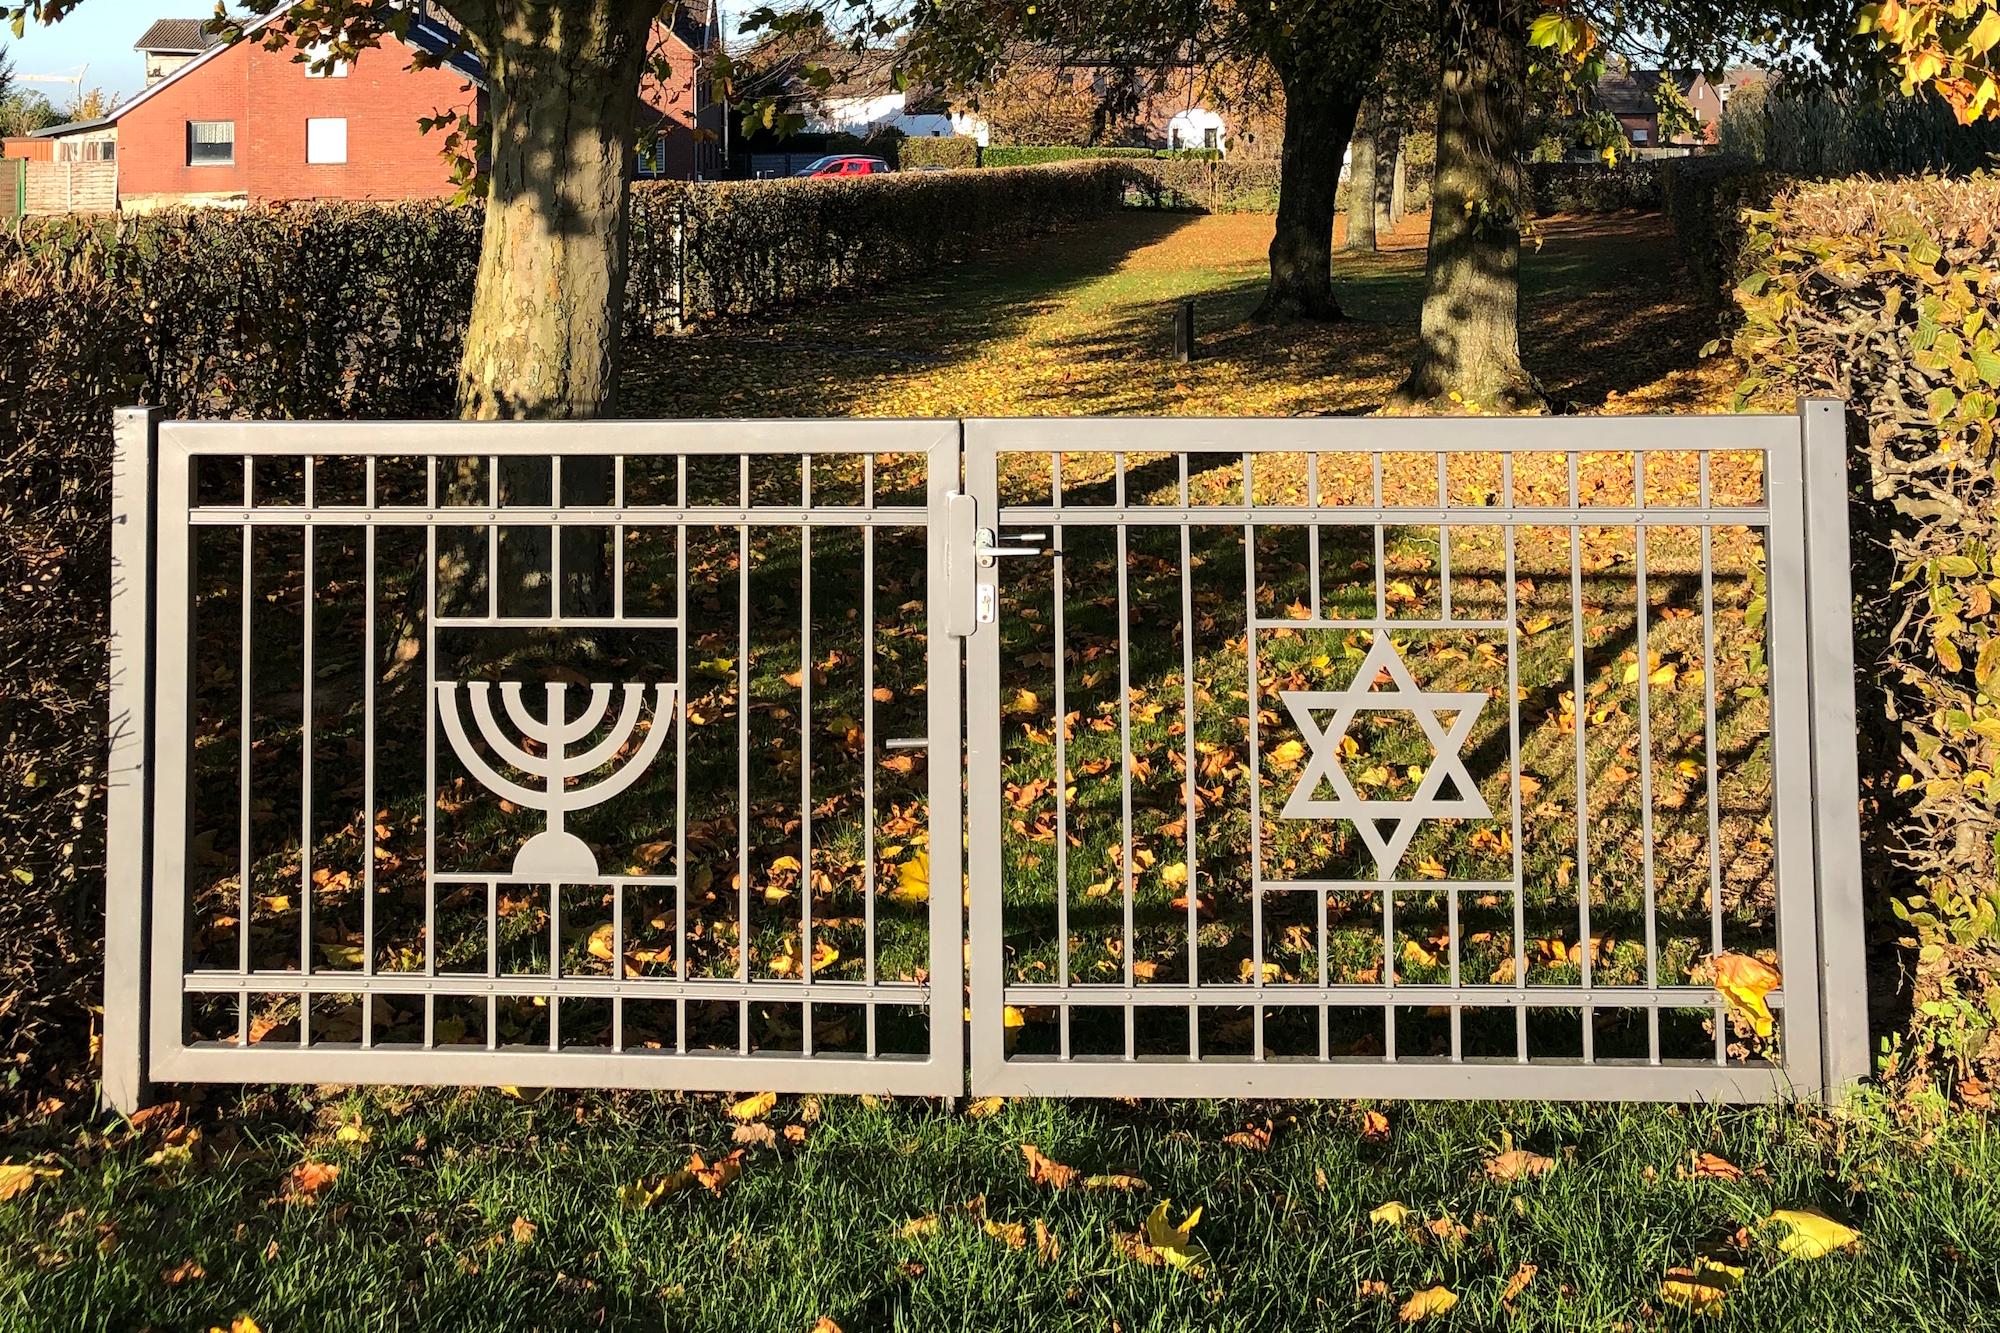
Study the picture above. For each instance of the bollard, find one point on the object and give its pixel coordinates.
(1184, 332)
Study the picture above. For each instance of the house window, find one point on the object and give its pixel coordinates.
(1211, 138)
(1640, 136)
(211, 143)
(326, 141)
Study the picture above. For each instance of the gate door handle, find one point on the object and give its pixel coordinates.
(988, 548)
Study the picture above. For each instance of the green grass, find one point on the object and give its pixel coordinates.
(417, 1230)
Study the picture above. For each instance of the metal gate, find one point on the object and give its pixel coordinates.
(637, 755)
(537, 754)
(1278, 741)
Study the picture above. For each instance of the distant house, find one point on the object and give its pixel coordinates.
(1633, 97)
(171, 43)
(237, 123)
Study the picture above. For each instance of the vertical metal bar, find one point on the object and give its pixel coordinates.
(868, 815)
(743, 760)
(430, 748)
(129, 770)
(492, 539)
(1059, 590)
(308, 599)
(1128, 877)
(1312, 544)
(1836, 782)
(246, 866)
(166, 816)
(1193, 886)
(1444, 537)
(1514, 767)
(618, 546)
(805, 755)
(680, 725)
(1788, 655)
(555, 554)
(368, 760)
(1381, 543)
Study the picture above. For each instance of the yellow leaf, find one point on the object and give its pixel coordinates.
(984, 1107)
(1123, 1184)
(522, 1094)
(1536, 624)
(1014, 1235)
(18, 1178)
(1811, 1234)
(1429, 1302)
(917, 1226)
(1025, 701)
(600, 942)
(1175, 876)
(1744, 982)
(1516, 1163)
(643, 1194)
(1010, 1017)
(1287, 755)
(242, 1323)
(1249, 972)
(1045, 1170)
(1699, 1289)
(1390, 1214)
(1663, 675)
(353, 1132)
(754, 1108)
(1175, 1245)
(913, 880)
(1430, 868)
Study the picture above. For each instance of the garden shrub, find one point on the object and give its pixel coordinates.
(1704, 199)
(1887, 294)
(1593, 187)
(1207, 185)
(1837, 134)
(954, 153)
(1030, 155)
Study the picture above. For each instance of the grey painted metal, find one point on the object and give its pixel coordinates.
(1836, 781)
(128, 772)
(171, 1047)
(977, 549)
(1817, 913)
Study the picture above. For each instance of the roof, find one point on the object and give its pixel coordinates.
(177, 37)
(72, 127)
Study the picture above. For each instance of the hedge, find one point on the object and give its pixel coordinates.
(1028, 155)
(954, 153)
(1887, 294)
(1207, 185)
(310, 311)
(1593, 187)
(743, 247)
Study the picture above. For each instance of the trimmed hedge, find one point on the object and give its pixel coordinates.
(347, 310)
(1887, 294)
(743, 247)
(1207, 186)
(954, 153)
(1593, 187)
(1704, 199)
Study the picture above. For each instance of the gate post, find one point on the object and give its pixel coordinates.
(1844, 1038)
(128, 774)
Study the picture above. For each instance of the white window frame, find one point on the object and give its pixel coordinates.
(321, 146)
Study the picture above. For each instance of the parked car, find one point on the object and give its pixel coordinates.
(848, 164)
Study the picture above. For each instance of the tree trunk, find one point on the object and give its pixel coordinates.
(563, 78)
(1363, 169)
(1469, 343)
(1395, 186)
(1318, 124)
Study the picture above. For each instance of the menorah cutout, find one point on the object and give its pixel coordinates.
(553, 855)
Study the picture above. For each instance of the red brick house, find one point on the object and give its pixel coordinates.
(237, 123)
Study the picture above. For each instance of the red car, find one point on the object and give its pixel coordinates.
(847, 164)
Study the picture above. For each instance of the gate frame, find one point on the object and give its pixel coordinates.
(1815, 815)
(146, 903)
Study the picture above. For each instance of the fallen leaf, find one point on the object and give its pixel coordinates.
(1043, 1170)
(18, 1178)
(523, 1231)
(1707, 1164)
(913, 880)
(1123, 1184)
(1257, 1138)
(242, 1323)
(310, 1179)
(1744, 982)
(824, 1325)
(1014, 1235)
(754, 1108)
(1810, 1233)
(187, 1270)
(1161, 1242)
(1516, 1163)
(917, 1226)
(984, 1107)
(1700, 1288)
(1390, 1214)
(1047, 1247)
(1518, 1283)
(718, 1173)
(1426, 1304)
(1374, 1126)
(1287, 755)
(755, 1136)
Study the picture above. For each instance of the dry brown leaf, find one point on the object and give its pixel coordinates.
(1126, 1184)
(984, 1107)
(1374, 1126)
(1044, 1170)
(1014, 1235)
(523, 1231)
(309, 1179)
(1518, 1283)
(1257, 1138)
(187, 1270)
(825, 1325)
(917, 1226)
(1047, 1247)
(756, 1136)
(1708, 1164)
(1371, 1289)
(1518, 1163)
(718, 1173)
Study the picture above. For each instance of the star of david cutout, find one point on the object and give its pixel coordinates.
(1402, 818)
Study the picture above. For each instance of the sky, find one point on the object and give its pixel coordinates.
(99, 34)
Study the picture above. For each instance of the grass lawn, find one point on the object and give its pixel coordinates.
(481, 1209)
